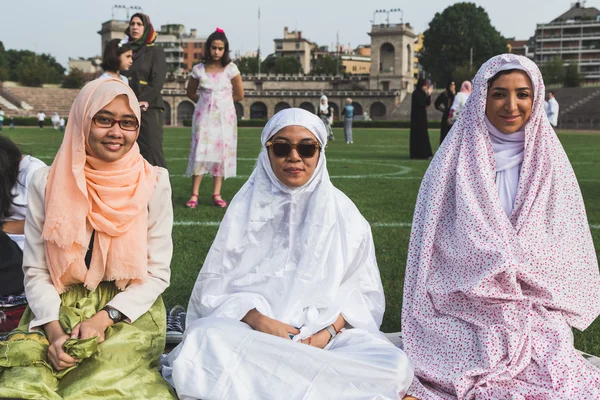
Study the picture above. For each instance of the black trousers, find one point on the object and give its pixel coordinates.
(150, 139)
(11, 266)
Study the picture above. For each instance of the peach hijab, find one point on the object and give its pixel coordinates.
(112, 197)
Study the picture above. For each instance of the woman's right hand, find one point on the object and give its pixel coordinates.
(262, 323)
(57, 337)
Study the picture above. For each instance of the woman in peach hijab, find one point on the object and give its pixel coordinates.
(96, 262)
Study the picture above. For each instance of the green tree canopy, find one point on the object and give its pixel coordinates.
(281, 65)
(572, 76)
(22, 66)
(248, 65)
(74, 80)
(553, 71)
(448, 41)
(328, 65)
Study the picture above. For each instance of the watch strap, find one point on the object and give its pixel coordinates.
(331, 331)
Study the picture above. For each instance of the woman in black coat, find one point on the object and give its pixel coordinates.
(443, 104)
(420, 147)
(146, 78)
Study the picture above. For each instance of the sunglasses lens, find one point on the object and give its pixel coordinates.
(281, 149)
(307, 150)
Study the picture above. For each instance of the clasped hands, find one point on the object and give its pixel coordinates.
(94, 326)
(262, 323)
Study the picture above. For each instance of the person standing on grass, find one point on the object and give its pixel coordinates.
(348, 113)
(459, 101)
(420, 146)
(117, 57)
(324, 112)
(443, 103)
(289, 301)
(501, 263)
(41, 117)
(552, 109)
(214, 85)
(147, 77)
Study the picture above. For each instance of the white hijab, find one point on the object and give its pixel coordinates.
(324, 107)
(509, 150)
(299, 255)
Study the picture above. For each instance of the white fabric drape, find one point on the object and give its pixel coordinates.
(301, 256)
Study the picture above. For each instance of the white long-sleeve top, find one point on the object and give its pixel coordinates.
(137, 298)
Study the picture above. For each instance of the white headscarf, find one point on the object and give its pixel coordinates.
(299, 255)
(324, 107)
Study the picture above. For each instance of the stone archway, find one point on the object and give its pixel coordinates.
(258, 110)
(185, 111)
(358, 109)
(308, 106)
(167, 114)
(282, 105)
(387, 54)
(239, 110)
(377, 110)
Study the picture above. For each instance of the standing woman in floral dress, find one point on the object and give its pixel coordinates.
(214, 85)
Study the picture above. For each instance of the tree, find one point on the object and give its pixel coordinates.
(74, 80)
(452, 34)
(553, 71)
(328, 65)
(248, 65)
(463, 73)
(281, 65)
(572, 76)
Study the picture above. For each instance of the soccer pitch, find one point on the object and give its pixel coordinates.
(375, 172)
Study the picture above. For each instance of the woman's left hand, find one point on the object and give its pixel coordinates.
(319, 339)
(94, 326)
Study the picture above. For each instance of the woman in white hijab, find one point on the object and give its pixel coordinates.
(325, 113)
(289, 300)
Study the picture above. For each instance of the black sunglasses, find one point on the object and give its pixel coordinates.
(283, 149)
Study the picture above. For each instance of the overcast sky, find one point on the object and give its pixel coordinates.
(68, 28)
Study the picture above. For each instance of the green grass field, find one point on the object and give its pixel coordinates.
(375, 172)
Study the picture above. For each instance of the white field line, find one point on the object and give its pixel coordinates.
(373, 224)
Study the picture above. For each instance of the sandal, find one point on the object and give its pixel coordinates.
(219, 202)
(192, 203)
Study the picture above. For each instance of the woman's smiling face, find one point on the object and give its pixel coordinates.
(509, 101)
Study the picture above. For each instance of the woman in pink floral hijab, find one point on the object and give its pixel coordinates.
(501, 262)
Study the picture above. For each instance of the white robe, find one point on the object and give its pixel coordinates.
(301, 256)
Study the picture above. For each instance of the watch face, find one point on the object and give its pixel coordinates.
(115, 315)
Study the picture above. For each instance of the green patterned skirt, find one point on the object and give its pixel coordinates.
(123, 366)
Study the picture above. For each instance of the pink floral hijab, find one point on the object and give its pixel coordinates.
(490, 298)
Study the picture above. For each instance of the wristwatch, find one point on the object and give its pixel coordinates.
(331, 331)
(113, 314)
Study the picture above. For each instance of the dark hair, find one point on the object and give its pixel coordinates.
(112, 52)
(499, 74)
(216, 35)
(10, 158)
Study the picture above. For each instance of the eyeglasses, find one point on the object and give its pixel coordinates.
(283, 149)
(125, 124)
